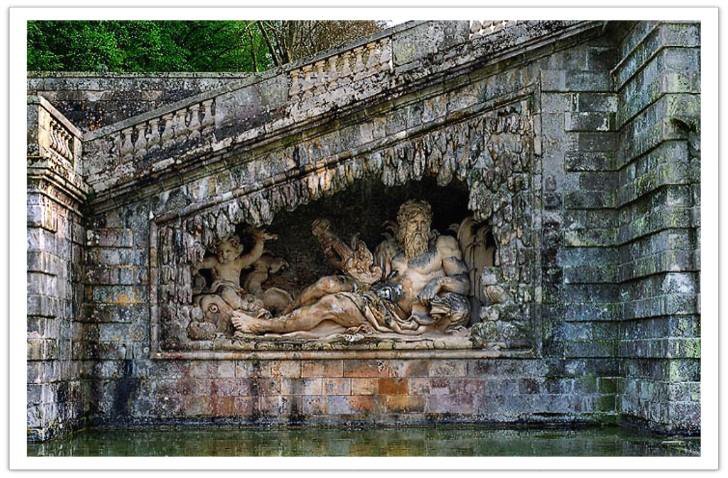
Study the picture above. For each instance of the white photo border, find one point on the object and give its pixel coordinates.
(17, 183)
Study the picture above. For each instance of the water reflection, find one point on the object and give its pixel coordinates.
(434, 441)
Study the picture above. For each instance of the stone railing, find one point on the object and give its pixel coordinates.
(337, 80)
(479, 28)
(50, 134)
(268, 105)
(163, 132)
(340, 70)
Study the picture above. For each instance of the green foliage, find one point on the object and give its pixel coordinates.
(146, 46)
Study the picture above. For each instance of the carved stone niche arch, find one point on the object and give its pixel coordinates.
(489, 154)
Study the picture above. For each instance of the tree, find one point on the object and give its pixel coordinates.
(291, 41)
(145, 46)
(149, 46)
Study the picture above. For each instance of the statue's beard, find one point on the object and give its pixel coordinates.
(415, 243)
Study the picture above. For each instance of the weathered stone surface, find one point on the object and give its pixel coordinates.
(577, 145)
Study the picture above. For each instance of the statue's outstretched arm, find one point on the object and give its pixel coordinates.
(245, 260)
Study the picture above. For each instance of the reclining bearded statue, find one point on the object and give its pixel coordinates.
(415, 283)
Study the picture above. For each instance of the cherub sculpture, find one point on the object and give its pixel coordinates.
(228, 262)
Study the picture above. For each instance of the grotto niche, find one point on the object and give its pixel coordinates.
(369, 267)
(401, 249)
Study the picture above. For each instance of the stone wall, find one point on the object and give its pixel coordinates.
(91, 101)
(58, 385)
(612, 320)
(553, 386)
(658, 229)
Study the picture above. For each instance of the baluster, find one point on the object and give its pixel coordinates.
(333, 74)
(358, 64)
(115, 150)
(208, 120)
(179, 123)
(140, 146)
(167, 134)
(67, 138)
(372, 60)
(194, 125)
(127, 148)
(386, 55)
(52, 140)
(295, 83)
(321, 79)
(62, 148)
(153, 138)
(307, 82)
(345, 67)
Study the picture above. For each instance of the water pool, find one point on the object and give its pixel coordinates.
(431, 441)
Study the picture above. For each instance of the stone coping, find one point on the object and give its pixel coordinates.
(140, 75)
(343, 354)
(57, 115)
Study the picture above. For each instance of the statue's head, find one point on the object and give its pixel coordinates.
(414, 219)
(228, 249)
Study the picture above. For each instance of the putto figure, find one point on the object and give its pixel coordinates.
(229, 261)
(414, 283)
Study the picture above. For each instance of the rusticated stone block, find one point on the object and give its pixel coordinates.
(368, 368)
(266, 386)
(589, 121)
(393, 386)
(244, 406)
(403, 403)
(322, 368)
(361, 405)
(282, 368)
(338, 386)
(230, 387)
(302, 386)
(197, 406)
(225, 369)
(273, 406)
(448, 368)
(222, 406)
(414, 368)
(365, 386)
(590, 102)
(450, 404)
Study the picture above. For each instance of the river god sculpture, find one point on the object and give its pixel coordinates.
(414, 283)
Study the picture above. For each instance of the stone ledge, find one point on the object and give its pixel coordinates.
(343, 354)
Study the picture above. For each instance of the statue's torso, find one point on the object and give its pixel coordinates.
(414, 274)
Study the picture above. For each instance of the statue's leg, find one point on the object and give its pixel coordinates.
(331, 307)
(322, 287)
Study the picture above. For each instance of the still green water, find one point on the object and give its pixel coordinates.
(434, 441)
